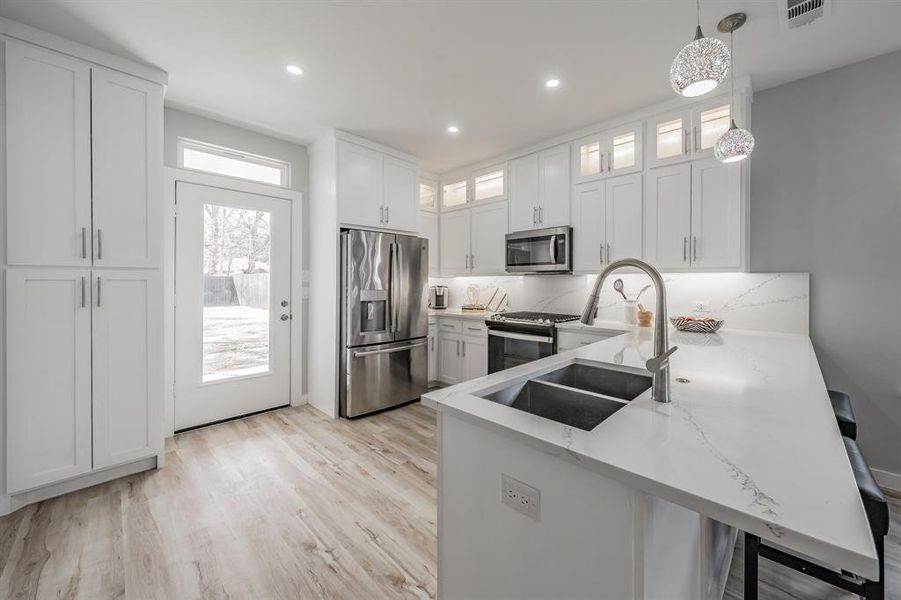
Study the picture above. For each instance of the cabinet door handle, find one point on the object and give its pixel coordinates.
(431, 344)
(84, 242)
(602, 252)
(608, 252)
(458, 347)
(99, 244)
(387, 214)
(98, 291)
(534, 215)
(464, 347)
(697, 139)
(83, 294)
(685, 141)
(694, 245)
(472, 262)
(609, 163)
(685, 249)
(540, 214)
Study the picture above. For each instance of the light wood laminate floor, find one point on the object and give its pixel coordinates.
(287, 504)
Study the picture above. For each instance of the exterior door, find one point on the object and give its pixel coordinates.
(126, 142)
(127, 366)
(233, 304)
(48, 386)
(48, 158)
(667, 223)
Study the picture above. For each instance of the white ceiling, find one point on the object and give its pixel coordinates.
(400, 72)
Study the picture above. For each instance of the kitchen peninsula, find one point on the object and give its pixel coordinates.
(647, 503)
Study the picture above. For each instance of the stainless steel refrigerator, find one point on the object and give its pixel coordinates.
(384, 320)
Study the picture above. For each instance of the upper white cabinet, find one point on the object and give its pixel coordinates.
(127, 366)
(539, 189)
(617, 151)
(455, 194)
(126, 121)
(360, 185)
(693, 216)
(472, 241)
(607, 221)
(376, 189)
(428, 195)
(48, 158)
(688, 133)
(428, 228)
(48, 381)
(710, 119)
(489, 184)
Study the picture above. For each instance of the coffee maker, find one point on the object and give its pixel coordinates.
(438, 297)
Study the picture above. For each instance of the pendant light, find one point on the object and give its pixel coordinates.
(736, 144)
(701, 65)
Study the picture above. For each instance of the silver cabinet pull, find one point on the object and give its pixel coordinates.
(84, 242)
(98, 291)
(99, 244)
(387, 214)
(464, 347)
(697, 139)
(431, 344)
(602, 252)
(381, 214)
(694, 246)
(472, 262)
(83, 294)
(388, 350)
(534, 215)
(458, 347)
(685, 141)
(608, 251)
(540, 214)
(684, 249)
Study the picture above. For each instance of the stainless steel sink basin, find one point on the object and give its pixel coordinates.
(609, 382)
(578, 395)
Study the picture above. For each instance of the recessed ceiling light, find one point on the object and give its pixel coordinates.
(294, 70)
(453, 129)
(552, 83)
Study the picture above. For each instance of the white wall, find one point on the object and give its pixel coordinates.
(178, 123)
(826, 198)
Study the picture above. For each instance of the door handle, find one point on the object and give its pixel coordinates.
(387, 214)
(553, 249)
(608, 251)
(83, 290)
(98, 291)
(601, 253)
(684, 249)
(84, 242)
(684, 141)
(534, 215)
(609, 163)
(381, 214)
(472, 262)
(694, 247)
(697, 139)
(99, 244)
(540, 215)
(458, 347)
(464, 347)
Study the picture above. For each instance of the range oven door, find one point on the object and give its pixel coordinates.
(510, 348)
(539, 251)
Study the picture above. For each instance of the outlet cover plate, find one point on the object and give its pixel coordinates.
(702, 305)
(521, 497)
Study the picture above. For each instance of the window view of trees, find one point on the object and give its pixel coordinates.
(236, 240)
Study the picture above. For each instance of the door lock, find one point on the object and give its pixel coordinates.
(284, 303)
(284, 317)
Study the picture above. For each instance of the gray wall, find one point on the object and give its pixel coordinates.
(826, 198)
(178, 123)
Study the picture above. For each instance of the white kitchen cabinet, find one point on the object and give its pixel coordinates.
(450, 358)
(454, 241)
(126, 143)
(716, 220)
(475, 349)
(667, 222)
(539, 189)
(359, 185)
(488, 225)
(428, 228)
(609, 153)
(433, 350)
(710, 119)
(554, 186)
(48, 386)
(127, 366)
(608, 223)
(668, 138)
(48, 158)
(524, 197)
(401, 193)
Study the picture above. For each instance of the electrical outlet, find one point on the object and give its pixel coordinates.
(702, 305)
(521, 497)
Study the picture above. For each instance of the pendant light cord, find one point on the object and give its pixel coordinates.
(698, 7)
(732, 79)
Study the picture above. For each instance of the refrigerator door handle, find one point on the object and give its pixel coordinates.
(395, 284)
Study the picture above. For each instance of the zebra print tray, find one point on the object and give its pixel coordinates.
(696, 325)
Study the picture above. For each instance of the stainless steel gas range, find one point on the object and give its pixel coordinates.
(516, 338)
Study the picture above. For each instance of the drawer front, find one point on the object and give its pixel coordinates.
(450, 325)
(476, 328)
(568, 340)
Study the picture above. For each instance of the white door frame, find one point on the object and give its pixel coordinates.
(171, 177)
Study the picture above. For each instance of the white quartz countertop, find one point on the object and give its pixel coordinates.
(458, 313)
(750, 441)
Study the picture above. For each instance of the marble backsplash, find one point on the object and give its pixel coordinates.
(756, 301)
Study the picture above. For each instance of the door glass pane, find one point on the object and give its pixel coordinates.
(236, 246)
(455, 193)
(489, 185)
(624, 150)
(426, 196)
(589, 159)
(669, 138)
(714, 123)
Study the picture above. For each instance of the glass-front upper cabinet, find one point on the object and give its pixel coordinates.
(710, 120)
(489, 184)
(428, 195)
(668, 136)
(455, 194)
(609, 153)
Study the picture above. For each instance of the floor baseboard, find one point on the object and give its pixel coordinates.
(889, 481)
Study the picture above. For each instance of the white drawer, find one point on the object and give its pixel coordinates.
(475, 328)
(446, 324)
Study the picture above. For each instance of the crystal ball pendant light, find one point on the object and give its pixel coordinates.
(701, 65)
(736, 144)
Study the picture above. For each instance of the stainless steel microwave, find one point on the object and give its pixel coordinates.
(540, 251)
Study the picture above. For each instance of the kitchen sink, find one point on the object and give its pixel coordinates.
(578, 395)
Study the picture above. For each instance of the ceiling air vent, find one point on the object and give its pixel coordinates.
(804, 12)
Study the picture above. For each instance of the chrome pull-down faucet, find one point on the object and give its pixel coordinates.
(659, 364)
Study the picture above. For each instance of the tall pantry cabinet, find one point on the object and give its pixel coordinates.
(83, 163)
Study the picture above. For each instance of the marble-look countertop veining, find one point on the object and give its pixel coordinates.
(458, 313)
(750, 441)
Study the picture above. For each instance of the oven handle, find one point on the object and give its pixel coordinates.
(521, 336)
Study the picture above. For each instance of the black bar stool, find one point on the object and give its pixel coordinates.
(878, 516)
(841, 406)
